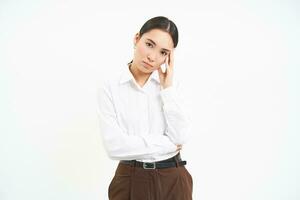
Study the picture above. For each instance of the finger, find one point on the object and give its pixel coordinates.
(167, 61)
(160, 71)
(170, 58)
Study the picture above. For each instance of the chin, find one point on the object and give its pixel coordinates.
(141, 69)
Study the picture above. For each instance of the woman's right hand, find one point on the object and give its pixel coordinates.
(179, 147)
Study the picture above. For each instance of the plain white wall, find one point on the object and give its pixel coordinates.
(238, 62)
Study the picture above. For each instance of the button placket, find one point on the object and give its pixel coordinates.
(145, 111)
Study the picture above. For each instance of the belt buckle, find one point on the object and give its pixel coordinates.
(149, 165)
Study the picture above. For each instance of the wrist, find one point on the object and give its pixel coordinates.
(166, 86)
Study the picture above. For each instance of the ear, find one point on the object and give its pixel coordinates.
(136, 38)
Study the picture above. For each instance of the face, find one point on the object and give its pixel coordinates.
(152, 49)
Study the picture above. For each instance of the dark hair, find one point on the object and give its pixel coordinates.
(163, 24)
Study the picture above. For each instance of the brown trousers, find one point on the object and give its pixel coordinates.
(135, 183)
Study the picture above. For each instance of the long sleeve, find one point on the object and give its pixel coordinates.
(178, 122)
(118, 144)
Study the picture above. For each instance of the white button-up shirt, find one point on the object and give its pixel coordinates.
(141, 123)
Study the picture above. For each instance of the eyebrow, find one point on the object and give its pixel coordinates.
(155, 44)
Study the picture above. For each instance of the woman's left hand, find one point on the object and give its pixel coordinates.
(166, 78)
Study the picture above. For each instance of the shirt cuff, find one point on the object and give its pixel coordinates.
(161, 142)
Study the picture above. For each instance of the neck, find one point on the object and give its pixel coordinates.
(139, 76)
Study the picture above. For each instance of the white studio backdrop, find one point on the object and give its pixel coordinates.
(238, 62)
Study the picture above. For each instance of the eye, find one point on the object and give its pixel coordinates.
(149, 44)
(164, 53)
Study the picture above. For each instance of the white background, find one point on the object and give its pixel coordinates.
(239, 64)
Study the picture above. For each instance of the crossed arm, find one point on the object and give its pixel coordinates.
(121, 146)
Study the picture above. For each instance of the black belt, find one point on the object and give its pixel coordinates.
(171, 162)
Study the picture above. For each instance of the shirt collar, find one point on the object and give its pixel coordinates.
(127, 75)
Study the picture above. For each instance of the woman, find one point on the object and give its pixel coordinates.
(143, 123)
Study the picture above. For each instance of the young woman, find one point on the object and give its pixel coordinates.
(143, 123)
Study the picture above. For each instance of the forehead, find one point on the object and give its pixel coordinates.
(161, 38)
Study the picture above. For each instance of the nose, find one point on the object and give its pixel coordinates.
(151, 57)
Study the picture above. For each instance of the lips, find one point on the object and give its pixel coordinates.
(147, 64)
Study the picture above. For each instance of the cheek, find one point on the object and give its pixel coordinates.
(160, 63)
(162, 60)
(142, 50)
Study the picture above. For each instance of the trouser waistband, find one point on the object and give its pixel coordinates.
(175, 161)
